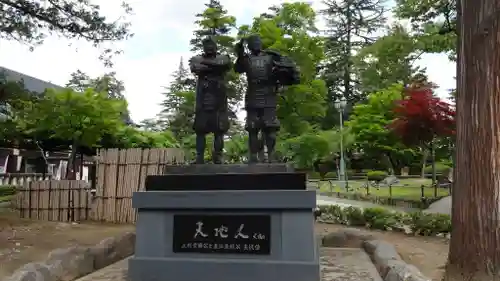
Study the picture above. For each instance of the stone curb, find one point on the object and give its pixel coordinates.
(74, 262)
(383, 254)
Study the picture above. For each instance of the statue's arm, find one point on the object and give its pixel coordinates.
(221, 63)
(196, 65)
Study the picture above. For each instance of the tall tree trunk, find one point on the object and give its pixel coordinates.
(348, 53)
(425, 154)
(475, 239)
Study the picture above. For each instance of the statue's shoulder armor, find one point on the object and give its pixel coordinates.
(273, 53)
(280, 60)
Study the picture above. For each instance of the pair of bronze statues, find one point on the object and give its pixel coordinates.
(266, 71)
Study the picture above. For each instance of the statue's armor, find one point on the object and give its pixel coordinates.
(261, 92)
(211, 97)
(265, 72)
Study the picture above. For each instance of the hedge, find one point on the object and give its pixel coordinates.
(376, 175)
(332, 175)
(417, 223)
(7, 190)
(440, 169)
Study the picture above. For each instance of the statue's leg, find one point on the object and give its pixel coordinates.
(252, 127)
(221, 126)
(218, 147)
(262, 144)
(270, 137)
(199, 127)
(253, 145)
(271, 127)
(200, 148)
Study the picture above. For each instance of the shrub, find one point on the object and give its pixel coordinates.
(418, 223)
(6, 190)
(355, 216)
(376, 175)
(440, 168)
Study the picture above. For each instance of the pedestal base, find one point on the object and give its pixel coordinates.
(225, 223)
(193, 269)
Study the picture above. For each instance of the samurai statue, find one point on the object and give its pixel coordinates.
(267, 72)
(211, 114)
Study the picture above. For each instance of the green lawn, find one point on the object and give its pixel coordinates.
(406, 188)
(6, 198)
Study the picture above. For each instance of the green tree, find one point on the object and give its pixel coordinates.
(82, 118)
(389, 60)
(214, 20)
(13, 99)
(30, 21)
(178, 106)
(150, 125)
(351, 25)
(370, 122)
(107, 83)
(308, 148)
(433, 23)
(130, 137)
(236, 148)
(289, 29)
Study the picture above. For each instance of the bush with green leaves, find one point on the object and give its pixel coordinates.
(418, 223)
(376, 175)
(441, 168)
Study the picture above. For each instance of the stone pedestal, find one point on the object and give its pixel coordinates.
(220, 234)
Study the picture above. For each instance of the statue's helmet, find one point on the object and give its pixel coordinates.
(254, 42)
(209, 45)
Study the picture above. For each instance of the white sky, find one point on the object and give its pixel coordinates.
(162, 31)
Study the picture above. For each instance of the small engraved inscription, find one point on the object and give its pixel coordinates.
(224, 234)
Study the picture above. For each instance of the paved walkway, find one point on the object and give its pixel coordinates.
(337, 264)
(346, 264)
(114, 272)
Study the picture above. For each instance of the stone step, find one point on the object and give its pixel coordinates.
(337, 264)
(347, 264)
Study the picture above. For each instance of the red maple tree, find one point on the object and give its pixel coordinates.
(421, 117)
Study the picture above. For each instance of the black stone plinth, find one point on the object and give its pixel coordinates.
(230, 168)
(227, 177)
(227, 181)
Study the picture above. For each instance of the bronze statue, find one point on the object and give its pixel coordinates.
(267, 71)
(211, 115)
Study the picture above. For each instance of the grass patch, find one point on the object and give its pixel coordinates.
(410, 189)
(6, 198)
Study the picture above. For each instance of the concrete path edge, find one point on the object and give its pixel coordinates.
(71, 263)
(384, 256)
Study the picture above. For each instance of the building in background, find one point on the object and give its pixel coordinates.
(31, 84)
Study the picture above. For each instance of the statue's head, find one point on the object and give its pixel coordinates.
(254, 43)
(209, 46)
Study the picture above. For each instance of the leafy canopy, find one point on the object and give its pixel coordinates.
(67, 115)
(421, 117)
(31, 21)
